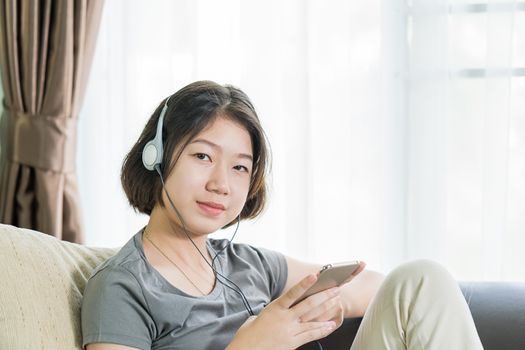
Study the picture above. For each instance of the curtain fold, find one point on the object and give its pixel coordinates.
(46, 49)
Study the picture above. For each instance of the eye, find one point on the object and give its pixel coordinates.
(242, 168)
(201, 156)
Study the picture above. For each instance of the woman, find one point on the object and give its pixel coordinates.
(198, 166)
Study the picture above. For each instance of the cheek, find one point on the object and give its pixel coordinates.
(241, 193)
(189, 178)
(241, 184)
(182, 186)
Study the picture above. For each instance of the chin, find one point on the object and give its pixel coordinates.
(203, 229)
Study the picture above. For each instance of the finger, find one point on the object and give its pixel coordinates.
(288, 299)
(311, 331)
(361, 267)
(328, 310)
(314, 301)
(335, 314)
(309, 326)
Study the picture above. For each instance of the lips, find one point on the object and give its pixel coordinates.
(213, 205)
(211, 208)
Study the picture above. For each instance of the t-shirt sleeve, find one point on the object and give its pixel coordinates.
(114, 310)
(276, 268)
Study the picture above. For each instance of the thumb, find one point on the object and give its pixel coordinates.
(289, 298)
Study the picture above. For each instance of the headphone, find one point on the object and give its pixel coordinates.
(153, 151)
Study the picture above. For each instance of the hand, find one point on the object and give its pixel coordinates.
(331, 310)
(283, 327)
(334, 309)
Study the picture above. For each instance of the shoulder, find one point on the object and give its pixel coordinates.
(115, 305)
(121, 274)
(112, 282)
(116, 288)
(125, 262)
(246, 252)
(268, 264)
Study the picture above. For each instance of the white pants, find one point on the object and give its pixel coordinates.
(419, 306)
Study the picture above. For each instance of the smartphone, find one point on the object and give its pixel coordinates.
(331, 275)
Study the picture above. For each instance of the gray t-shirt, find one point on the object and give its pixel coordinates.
(128, 302)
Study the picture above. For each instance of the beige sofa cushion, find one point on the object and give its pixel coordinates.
(42, 280)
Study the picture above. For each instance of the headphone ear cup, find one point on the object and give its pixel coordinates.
(151, 155)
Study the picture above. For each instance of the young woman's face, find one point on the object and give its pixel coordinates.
(210, 181)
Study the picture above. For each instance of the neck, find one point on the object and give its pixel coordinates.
(172, 239)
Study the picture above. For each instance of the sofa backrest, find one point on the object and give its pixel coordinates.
(42, 280)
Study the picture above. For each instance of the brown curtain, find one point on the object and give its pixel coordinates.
(46, 49)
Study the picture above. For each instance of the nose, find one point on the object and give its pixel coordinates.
(218, 181)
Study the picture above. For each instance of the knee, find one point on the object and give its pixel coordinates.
(421, 272)
(421, 267)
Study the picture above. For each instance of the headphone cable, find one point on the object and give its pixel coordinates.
(217, 274)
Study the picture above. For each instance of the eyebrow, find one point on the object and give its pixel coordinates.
(213, 145)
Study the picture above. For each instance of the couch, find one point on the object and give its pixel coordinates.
(42, 280)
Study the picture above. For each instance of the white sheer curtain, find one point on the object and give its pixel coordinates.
(386, 145)
(466, 150)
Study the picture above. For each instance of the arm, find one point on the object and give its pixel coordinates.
(355, 296)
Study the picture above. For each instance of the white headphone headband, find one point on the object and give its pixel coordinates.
(153, 151)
